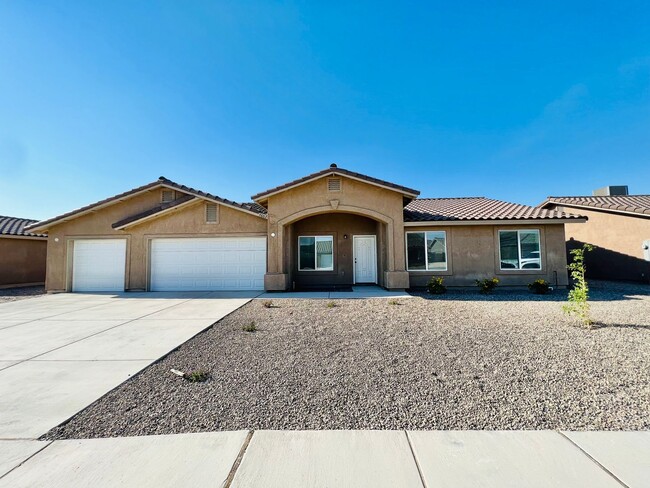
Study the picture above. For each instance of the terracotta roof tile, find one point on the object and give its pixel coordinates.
(154, 210)
(638, 204)
(340, 171)
(14, 226)
(475, 208)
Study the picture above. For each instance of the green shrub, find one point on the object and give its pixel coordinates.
(539, 287)
(267, 304)
(393, 301)
(578, 304)
(435, 286)
(487, 285)
(250, 327)
(198, 376)
(331, 304)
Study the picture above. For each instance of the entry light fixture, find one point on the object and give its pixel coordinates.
(272, 234)
(345, 236)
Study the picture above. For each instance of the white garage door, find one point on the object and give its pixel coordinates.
(98, 264)
(219, 263)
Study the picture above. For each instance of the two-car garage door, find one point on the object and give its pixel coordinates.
(218, 263)
(177, 264)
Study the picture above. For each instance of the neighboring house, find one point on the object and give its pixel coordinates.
(22, 254)
(619, 225)
(333, 228)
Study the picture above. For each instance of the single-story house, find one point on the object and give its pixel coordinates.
(333, 228)
(22, 253)
(619, 225)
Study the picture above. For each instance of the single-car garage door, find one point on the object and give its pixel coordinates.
(215, 263)
(98, 264)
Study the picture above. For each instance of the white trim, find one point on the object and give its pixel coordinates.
(265, 196)
(539, 242)
(354, 257)
(316, 268)
(444, 223)
(426, 253)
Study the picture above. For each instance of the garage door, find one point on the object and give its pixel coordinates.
(224, 263)
(98, 265)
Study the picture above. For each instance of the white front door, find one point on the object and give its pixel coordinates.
(365, 259)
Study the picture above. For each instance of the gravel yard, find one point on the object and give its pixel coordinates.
(13, 294)
(461, 361)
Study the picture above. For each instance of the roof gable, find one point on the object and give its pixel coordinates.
(624, 204)
(334, 170)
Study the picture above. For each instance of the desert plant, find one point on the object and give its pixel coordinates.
(435, 286)
(393, 301)
(331, 304)
(487, 285)
(267, 304)
(250, 327)
(539, 287)
(198, 376)
(578, 299)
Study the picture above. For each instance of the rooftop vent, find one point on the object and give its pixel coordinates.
(607, 191)
(334, 184)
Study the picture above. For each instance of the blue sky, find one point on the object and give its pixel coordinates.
(501, 99)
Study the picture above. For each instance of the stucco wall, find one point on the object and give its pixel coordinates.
(619, 239)
(186, 221)
(356, 197)
(337, 225)
(22, 261)
(473, 253)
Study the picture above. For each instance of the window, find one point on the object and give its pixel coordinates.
(211, 214)
(426, 251)
(334, 184)
(316, 253)
(520, 249)
(167, 196)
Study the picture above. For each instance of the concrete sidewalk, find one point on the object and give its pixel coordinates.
(340, 459)
(60, 353)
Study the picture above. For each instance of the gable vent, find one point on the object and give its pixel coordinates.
(211, 213)
(167, 196)
(334, 184)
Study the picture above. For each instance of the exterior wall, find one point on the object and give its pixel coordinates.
(473, 253)
(187, 221)
(22, 261)
(337, 225)
(313, 198)
(618, 238)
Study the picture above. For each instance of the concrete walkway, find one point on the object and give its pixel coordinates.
(60, 353)
(357, 292)
(302, 459)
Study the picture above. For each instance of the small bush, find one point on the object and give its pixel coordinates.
(393, 301)
(331, 304)
(198, 376)
(578, 304)
(539, 287)
(435, 286)
(267, 304)
(250, 327)
(487, 285)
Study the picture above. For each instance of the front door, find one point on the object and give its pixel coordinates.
(365, 259)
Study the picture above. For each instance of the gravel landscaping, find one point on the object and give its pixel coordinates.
(13, 294)
(511, 360)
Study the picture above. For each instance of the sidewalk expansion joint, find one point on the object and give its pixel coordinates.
(415, 458)
(237, 463)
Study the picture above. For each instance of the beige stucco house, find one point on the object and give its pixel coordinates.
(22, 253)
(333, 228)
(619, 227)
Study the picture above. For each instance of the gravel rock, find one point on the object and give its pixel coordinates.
(13, 294)
(511, 360)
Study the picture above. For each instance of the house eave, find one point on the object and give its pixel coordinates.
(446, 223)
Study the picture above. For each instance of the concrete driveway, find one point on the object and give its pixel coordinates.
(59, 353)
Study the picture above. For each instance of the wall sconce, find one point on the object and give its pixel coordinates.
(272, 234)
(345, 236)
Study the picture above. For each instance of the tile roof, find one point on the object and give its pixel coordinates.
(162, 181)
(333, 169)
(476, 209)
(14, 226)
(637, 204)
(154, 210)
